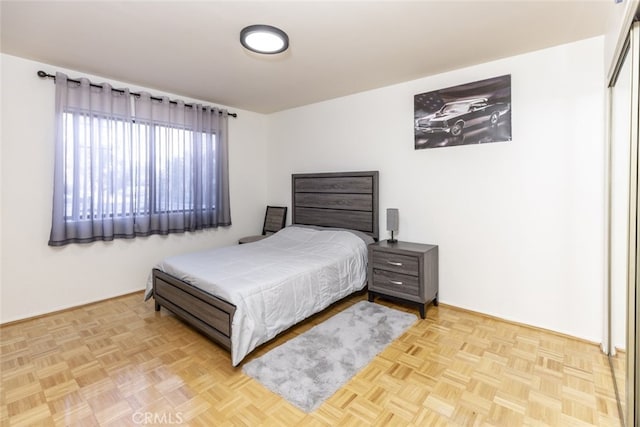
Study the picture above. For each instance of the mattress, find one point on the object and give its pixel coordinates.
(276, 282)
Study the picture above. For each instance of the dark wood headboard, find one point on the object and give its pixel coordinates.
(337, 199)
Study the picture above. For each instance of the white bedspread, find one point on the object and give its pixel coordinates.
(276, 282)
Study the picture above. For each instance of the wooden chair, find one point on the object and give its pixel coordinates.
(274, 220)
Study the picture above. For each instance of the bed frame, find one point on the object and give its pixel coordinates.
(343, 200)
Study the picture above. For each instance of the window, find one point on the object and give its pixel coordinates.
(135, 167)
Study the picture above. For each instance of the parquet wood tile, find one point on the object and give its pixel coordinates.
(119, 363)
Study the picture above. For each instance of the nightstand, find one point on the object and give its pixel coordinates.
(405, 271)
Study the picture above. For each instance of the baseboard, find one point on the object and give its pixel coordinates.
(449, 306)
(523, 325)
(63, 310)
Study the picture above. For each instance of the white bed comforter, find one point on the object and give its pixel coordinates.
(276, 282)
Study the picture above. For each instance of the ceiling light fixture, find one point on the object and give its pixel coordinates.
(264, 39)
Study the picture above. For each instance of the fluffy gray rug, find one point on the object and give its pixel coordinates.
(309, 368)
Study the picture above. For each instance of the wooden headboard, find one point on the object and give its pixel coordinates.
(338, 199)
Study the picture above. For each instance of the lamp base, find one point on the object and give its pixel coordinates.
(392, 240)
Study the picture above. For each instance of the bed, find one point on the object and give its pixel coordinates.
(244, 295)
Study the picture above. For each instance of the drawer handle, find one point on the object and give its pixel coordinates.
(395, 282)
(398, 264)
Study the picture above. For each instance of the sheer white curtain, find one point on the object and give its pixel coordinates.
(129, 166)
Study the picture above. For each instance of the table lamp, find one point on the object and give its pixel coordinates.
(392, 223)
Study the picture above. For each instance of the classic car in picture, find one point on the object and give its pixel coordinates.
(457, 116)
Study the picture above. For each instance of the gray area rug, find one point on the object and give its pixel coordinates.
(309, 368)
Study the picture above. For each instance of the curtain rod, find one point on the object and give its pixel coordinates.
(44, 75)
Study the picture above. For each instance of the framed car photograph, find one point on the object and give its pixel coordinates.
(472, 113)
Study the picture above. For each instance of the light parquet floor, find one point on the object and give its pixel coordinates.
(119, 363)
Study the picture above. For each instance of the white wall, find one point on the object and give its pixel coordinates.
(519, 224)
(36, 278)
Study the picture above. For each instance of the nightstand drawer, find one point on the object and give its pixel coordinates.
(384, 280)
(405, 264)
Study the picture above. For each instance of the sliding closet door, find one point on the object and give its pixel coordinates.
(632, 382)
(633, 290)
(623, 226)
(620, 171)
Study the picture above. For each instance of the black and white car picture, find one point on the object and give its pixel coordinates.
(475, 113)
(453, 117)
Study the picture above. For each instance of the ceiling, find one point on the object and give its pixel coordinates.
(337, 48)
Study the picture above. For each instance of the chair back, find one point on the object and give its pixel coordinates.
(274, 219)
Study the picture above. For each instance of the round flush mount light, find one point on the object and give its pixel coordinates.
(264, 39)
